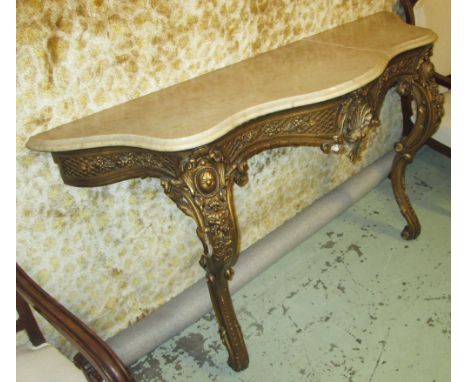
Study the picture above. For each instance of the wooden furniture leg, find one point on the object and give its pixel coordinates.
(203, 190)
(26, 321)
(422, 89)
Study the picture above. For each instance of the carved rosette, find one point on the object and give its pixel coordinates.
(203, 190)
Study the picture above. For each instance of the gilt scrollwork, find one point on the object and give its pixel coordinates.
(318, 121)
(202, 189)
(97, 167)
(421, 87)
(103, 163)
(308, 125)
(355, 120)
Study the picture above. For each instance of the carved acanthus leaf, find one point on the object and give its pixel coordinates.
(355, 120)
(93, 165)
(203, 190)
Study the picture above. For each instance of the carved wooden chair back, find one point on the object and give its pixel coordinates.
(32, 358)
(96, 359)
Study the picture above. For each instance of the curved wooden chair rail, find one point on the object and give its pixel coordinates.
(97, 360)
(200, 181)
(407, 6)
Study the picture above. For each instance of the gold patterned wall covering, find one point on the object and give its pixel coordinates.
(113, 254)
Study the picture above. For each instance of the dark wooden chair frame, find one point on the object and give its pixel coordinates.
(106, 365)
(440, 79)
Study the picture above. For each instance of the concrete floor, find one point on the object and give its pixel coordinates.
(354, 302)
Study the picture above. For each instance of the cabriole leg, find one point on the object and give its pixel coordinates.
(203, 190)
(229, 328)
(423, 90)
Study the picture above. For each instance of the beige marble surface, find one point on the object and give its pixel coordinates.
(383, 32)
(198, 111)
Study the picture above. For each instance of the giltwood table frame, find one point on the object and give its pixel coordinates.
(200, 181)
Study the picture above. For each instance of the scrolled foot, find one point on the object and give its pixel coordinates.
(413, 227)
(411, 233)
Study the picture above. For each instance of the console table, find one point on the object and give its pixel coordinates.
(325, 91)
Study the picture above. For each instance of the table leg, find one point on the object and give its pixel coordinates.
(229, 328)
(423, 90)
(203, 190)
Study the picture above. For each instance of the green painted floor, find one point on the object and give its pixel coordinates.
(354, 302)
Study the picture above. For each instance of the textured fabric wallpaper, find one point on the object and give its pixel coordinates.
(112, 254)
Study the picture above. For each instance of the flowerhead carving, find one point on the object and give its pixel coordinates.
(203, 190)
(206, 180)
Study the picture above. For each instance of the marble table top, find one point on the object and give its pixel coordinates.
(200, 110)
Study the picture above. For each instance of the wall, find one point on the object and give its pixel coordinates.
(113, 254)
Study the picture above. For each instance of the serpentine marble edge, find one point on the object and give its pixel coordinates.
(113, 254)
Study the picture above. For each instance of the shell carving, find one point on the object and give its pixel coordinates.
(358, 127)
(358, 121)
